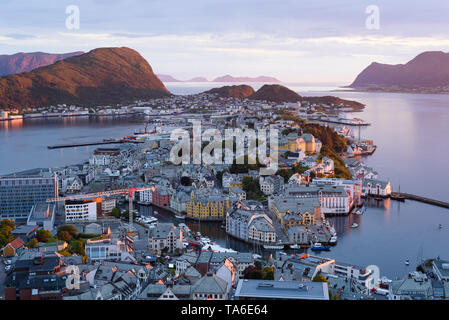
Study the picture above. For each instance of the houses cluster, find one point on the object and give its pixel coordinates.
(249, 221)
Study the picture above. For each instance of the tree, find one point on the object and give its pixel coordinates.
(33, 243)
(77, 247)
(320, 278)
(6, 226)
(116, 212)
(43, 235)
(70, 229)
(64, 236)
(268, 273)
(252, 272)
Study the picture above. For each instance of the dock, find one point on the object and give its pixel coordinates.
(95, 143)
(408, 196)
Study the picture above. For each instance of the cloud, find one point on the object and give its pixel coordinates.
(19, 36)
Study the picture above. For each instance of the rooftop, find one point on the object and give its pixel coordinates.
(269, 289)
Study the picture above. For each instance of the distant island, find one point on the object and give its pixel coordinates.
(426, 73)
(281, 94)
(225, 78)
(229, 78)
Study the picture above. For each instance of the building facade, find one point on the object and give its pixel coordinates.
(18, 194)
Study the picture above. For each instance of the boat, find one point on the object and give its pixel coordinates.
(332, 231)
(181, 217)
(268, 247)
(319, 247)
(440, 226)
(354, 225)
(148, 220)
(295, 246)
(407, 262)
(333, 240)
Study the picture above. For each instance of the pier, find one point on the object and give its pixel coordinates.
(95, 143)
(402, 196)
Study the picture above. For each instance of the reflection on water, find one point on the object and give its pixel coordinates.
(410, 131)
(389, 233)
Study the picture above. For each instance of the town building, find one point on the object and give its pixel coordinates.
(271, 184)
(250, 224)
(42, 215)
(208, 207)
(19, 193)
(107, 249)
(80, 210)
(164, 236)
(376, 187)
(161, 196)
(210, 287)
(281, 290)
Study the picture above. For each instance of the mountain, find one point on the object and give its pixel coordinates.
(427, 70)
(229, 78)
(167, 78)
(331, 100)
(198, 79)
(23, 62)
(101, 76)
(240, 91)
(275, 93)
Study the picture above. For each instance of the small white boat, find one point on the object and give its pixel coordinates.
(295, 246)
(181, 217)
(333, 240)
(268, 247)
(407, 262)
(354, 225)
(149, 220)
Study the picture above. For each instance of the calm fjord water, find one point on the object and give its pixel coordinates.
(410, 130)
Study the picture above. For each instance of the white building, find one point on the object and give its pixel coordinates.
(164, 236)
(105, 249)
(146, 195)
(237, 192)
(271, 184)
(80, 211)
(376, 187)
(108, 204)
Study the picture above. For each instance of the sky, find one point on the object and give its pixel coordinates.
(319, 41)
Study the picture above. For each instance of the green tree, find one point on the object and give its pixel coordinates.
(6, 226)
(64, 236)
(71, 229)
(268, 273)
(44, 235)
(116, 212)
(33, 243)
(320, 278)
(77, 247)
